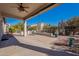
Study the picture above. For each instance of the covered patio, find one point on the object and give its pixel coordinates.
(27, 45)
(21, 11)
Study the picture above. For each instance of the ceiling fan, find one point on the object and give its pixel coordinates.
(21, 8)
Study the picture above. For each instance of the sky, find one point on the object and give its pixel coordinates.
(53, 16)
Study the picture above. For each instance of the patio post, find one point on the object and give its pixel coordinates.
(25, 28)
(4, 25)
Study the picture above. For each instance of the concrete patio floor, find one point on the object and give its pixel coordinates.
(32, 45)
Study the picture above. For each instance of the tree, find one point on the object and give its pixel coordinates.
(49, 28)
(73, 21)
(19, 26)
(16, 27)
(33, 28)
(12, 29)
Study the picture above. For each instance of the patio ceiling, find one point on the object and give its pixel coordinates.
(11, 9)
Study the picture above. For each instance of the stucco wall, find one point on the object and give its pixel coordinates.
(1, 27)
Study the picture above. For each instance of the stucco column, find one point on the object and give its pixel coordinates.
(4, 25)
(25, 28)
(1, 27)
(4, 28)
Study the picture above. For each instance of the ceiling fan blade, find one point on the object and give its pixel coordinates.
(16, 7)
(19, 4)
(26, 11)
(13, 6)
(25, 7)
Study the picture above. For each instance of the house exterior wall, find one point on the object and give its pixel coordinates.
(40, 26)
(1, 27)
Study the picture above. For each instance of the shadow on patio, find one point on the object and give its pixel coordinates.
(13, 41)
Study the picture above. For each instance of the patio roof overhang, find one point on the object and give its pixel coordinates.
(10, 9)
